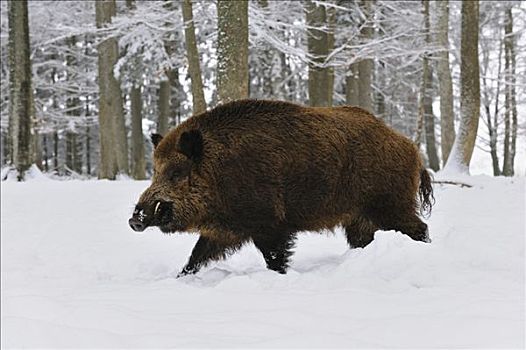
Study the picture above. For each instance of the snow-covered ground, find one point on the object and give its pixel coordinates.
(74, 275)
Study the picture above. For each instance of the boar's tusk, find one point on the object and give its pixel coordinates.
(156, 208)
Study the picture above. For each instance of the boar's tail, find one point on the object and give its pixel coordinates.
(425, 193)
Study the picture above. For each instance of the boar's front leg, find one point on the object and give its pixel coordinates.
(276, 249)
(208, 249)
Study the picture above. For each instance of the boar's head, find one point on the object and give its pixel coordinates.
(176, 199)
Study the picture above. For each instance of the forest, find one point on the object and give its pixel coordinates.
(85, 83)
(281, 229)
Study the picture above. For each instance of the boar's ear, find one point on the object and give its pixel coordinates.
(156, 138)
(191, 144)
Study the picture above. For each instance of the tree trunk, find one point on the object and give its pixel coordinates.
(20, 90)
(266, 57)
(318, 47)
(88, 139)
(73, 158)
(113, 139)
(427, 99)
(447, 125)
(139, 163)
(46, 152)
(192, 54)
(513, 101)
(351, 82)
(365, 66)
(492, 126)
(510, 112)
(163, 106)
(232, 50)
(55, 152)
(331, 25)
(464, 145)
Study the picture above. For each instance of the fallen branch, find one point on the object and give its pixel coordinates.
(461, 184)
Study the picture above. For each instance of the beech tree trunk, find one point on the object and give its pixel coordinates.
(73, 156)
(427, 98)
(464, 145)
(351, 82)
(510, 104)
(318, 47)
(232, 50)
(492, 123)
(331, 25)
(113, 138)
(192, 54)
(266, 59)
(365, 66)
(447, 126)
(138, 159)
(163, 106)
(20, 90)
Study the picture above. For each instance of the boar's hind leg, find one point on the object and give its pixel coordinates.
(359, 232)
(206, 250)
(276, 249)
(404, 221)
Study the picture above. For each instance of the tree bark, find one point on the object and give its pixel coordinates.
(192, 54)
(265, 54)
(163, 106)
(447, 116)
(113, 139)
(73, 158)
(232, 50)
(510, 112)
(331, 25)
(492, 126)
(464, 145)
(351, 82)
(427, 99)
(318, 47)
(139, 164)
(20, 90)
(88, 138)
(365, 66)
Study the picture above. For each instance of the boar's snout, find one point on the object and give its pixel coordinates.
(150, 215)
(136, 224)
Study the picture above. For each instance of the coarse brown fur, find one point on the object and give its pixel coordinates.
(261, 171)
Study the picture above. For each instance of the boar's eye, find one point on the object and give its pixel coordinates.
(177, 172)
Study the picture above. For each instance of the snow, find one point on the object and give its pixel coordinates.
(75, 275)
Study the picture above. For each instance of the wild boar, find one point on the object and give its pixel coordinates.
(262, 171)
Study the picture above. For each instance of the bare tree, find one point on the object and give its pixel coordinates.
(113, 140)
(447, 126)
(318, 47)
(232, 50)
(138, 160)
(20, 91)
(462, 150)
(427, 97)
(73, 156)
(365, 66)
(510, 104)
(492, 122)
(192, 54)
